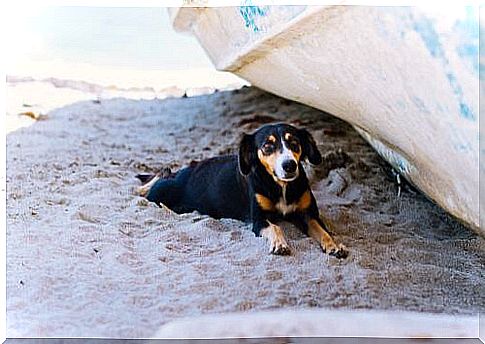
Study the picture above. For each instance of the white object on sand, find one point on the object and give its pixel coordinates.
(322, 323)
(405, 77)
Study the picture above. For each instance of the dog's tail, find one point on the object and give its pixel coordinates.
(145, 177)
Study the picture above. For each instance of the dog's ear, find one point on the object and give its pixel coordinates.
(246, 154)
(309, 148)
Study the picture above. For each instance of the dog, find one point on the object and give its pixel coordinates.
(263, 184)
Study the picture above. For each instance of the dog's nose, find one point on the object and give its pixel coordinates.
(289, 166)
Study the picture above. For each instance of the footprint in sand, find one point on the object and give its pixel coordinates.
(92, 213)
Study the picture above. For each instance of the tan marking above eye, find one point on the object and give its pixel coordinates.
(291, 144)
(271, 138)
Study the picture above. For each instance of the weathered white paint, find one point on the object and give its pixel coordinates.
(405, 77)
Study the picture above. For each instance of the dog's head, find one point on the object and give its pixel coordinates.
(279, 148)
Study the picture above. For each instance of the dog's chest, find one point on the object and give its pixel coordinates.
(283, 207)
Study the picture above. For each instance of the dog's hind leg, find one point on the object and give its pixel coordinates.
(149, 181)
(166, 191)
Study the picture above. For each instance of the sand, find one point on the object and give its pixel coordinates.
(86, 256)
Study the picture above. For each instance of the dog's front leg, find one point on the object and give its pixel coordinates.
(317, 231)
(276, 239)
(273, 233)
(314, 227)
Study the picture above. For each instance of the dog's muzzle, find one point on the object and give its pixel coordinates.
(288, 170)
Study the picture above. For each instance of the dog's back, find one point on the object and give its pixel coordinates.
(213, 187)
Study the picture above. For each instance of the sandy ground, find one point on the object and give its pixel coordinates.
(87, 257)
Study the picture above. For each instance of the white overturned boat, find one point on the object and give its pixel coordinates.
(405, 77)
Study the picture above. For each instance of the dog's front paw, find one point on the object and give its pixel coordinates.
(338, 251)
(277, 241)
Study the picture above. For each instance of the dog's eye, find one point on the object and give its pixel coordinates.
(268, 148)
(294, 146)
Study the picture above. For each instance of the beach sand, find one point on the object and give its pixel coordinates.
(86, 256)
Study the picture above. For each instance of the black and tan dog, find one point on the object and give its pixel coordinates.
(263, 184)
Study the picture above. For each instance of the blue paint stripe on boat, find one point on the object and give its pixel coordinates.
(425, 28)
(250, 13)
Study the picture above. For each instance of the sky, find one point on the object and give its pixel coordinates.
(134, 38)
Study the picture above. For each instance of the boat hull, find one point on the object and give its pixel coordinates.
(405, 77)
